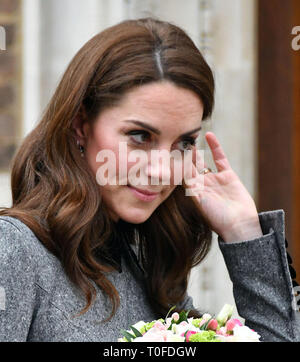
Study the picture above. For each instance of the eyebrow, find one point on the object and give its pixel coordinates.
(157, 131)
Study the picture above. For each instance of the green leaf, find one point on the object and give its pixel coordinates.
(127, 335)
(182, 317)
(196, 322)
(170, 310)
(185, 333)
(204, 326)
(136, 332)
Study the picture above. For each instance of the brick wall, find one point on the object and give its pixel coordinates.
(10, 81)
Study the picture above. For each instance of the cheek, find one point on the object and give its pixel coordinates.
(168, 192)
(107, 156)
(103, 154)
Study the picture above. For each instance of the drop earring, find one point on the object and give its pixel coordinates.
(81, 148)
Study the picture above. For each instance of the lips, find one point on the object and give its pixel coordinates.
(145, 192)
(143, 195)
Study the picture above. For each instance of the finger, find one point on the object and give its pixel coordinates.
(192, 178)
(198, 160)
(194, 187)
(218, 153)
(193, 163)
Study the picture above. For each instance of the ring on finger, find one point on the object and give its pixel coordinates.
(205, 170)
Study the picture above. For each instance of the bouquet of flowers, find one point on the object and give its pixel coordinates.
(180, 328)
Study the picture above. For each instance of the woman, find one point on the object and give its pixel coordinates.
(80, 258)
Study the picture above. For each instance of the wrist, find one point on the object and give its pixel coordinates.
(243, 230)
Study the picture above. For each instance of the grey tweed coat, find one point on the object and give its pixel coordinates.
(39, 303)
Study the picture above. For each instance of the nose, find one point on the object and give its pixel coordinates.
(158, 169)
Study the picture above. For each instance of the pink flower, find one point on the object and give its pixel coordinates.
(175, 317)
(212, 325)
(159, 325)
(231, 323)
(183, 323)
(188, 334)
(222, 331)
(203, 321)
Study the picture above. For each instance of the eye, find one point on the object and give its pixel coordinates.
(138, 136)
(188, 143)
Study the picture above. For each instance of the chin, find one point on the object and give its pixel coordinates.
(135, 216)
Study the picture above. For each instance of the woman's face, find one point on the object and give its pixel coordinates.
(150, 117)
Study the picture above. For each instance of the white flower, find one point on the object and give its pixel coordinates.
(156, 335)
(183, 327)
(245, 334)
(206, 316)
(137, 326)
(225, 314)
(150, 338)
(175, 338)
(168, 322)
(241, 334)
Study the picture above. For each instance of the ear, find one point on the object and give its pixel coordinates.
(81, 129)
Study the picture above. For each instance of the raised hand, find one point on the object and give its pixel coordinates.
(224, 201)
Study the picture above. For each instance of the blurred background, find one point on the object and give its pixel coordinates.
(248, 44)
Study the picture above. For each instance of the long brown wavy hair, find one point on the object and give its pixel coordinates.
(55, 193)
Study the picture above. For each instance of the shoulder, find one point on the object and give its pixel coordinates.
(21, 250)
(17, 236)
